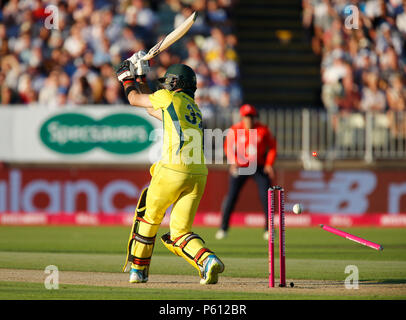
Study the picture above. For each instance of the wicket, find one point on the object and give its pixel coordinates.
(350, 236)
(276, 192)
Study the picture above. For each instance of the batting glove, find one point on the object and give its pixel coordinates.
(141, 67)
(125, 71)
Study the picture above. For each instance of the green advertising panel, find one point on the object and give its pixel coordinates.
(76, 133)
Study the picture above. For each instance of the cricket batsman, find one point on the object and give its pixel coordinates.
(178, 179)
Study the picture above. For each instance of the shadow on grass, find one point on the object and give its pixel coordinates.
(385, 281)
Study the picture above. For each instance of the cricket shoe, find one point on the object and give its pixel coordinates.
(221, 234)
(266, 235)
(212, 266)
(138, 276)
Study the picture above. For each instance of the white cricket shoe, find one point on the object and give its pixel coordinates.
(266, 235)
(221, 234)
(138, 276)
(212, 266)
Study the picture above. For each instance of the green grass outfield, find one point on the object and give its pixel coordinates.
(312, 254)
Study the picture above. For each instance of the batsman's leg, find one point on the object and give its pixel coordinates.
(183, 242)
(150, 211)
(141, 243)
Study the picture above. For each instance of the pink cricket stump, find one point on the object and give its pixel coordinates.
(349, 236)
(271, 238)
(282, 268)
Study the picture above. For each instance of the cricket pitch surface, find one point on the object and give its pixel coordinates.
(227, 284)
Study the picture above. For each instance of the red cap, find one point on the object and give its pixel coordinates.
(248, 110)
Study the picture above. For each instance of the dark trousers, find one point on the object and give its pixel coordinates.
(235, 185)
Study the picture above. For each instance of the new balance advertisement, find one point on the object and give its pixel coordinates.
(340, 195)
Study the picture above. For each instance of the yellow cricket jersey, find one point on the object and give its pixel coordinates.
(183, 131)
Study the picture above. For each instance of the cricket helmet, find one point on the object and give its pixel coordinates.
(179, 76)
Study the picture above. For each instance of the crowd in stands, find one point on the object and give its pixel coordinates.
(362, 45)
(72, 62)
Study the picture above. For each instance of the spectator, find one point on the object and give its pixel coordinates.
(387, 37)
(362, 69)
(145, 17)
(3, 40)
(396, 97)
(396, 94)
(213, 44)
(388, 63)
(75, 43)
(80, 91)
(199, 25)
(26, 91)
(202, 98)
(167, 11)
(349, 101)
(221, 89)
(102, 54)
(222, 63)
(127, 43)
(11, 69)
(112, 94)
(48, 95)
(373, 99)
(7, 95)
(216, 15)
(194, 59)
(401, 19)
(49, 67)
(333, 74)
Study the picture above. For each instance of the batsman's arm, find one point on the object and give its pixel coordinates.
(140, 98)
(136, 87)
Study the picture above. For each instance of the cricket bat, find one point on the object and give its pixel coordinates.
(174, 36)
